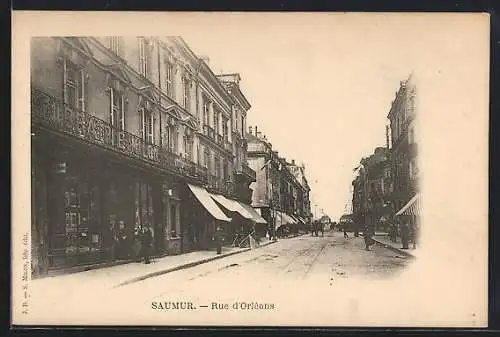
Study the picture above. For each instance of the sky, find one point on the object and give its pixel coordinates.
(320, 89)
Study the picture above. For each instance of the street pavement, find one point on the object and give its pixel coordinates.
(294, 275)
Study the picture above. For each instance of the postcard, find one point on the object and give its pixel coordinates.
(250, 169)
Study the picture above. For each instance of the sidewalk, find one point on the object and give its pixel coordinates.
(384, 240)
(115, 276)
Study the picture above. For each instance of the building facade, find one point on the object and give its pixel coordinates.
(404, 165)
(281, 191)
(372, 191)
(125, 133)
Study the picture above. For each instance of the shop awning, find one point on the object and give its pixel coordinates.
(206, 200)
(255, 216)
(283, 219)
(231, 205)
(412, 207)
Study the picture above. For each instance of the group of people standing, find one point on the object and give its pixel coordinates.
(136, 244)
(406, 231)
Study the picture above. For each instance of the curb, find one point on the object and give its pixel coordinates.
(394, 249)
(185, 266)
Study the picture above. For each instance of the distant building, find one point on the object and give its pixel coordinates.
(404, 164)
(372, 190)
(280, 192)
(303, 202)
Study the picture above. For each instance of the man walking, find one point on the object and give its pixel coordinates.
(405, 235)
(147, 240)
(218, 239)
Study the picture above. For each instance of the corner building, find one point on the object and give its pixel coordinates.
(129, 131)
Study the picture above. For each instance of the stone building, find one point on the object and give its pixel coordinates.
(404, 164)
(128, 132)
(372, 190)
(279, 196)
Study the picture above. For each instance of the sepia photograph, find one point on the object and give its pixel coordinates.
(250, 169)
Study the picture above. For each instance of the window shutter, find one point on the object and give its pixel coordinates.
(65, 81)
(141, 115)
(122, 114)
(111, 110)
(81, 94)
(152, 128)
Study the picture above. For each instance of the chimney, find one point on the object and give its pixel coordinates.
(256, 132)
(293, 161)
(205, 59)
(250, 130)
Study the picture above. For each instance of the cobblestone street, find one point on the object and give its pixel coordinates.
(295, 270)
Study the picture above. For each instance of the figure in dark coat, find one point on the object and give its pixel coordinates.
(218, 239)
(405, 235)
(147, 239)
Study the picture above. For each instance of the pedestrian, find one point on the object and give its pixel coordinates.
(218, 239)
(405, 235)
(367, 239)
(147, 239)
(414, 235)
(346, 236)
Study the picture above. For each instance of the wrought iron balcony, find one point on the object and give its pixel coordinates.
(245, 170)
(53, 114)
(227, 145)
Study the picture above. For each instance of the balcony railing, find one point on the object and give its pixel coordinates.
(47, 111)
(227, 145)
(209, 131)
(248, 171)
(219, 140)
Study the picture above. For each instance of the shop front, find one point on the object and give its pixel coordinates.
(204, 218)
(87, 207)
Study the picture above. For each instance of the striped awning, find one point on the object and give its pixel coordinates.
(412, 207)
(253, 213)
(206, 200)
(283, 219)
(231, 205)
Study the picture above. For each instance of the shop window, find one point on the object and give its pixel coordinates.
(143, 204)
(82, 232)
(174, 223)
